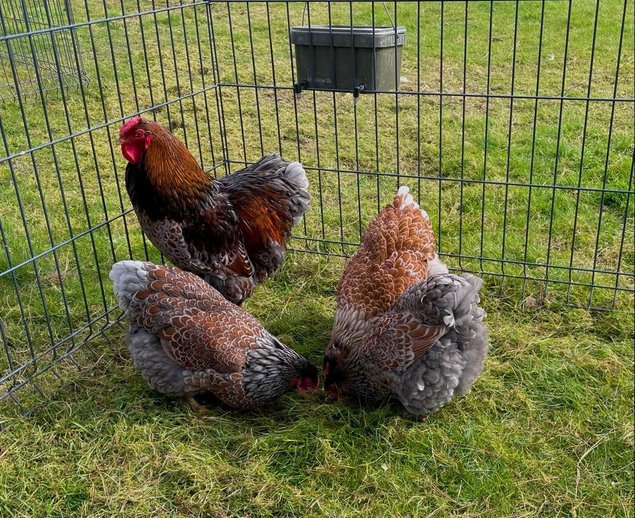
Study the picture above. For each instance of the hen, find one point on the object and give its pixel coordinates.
(189, 341)
(405, 328)
(233, 231)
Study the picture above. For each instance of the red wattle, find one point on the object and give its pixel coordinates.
(131, 152)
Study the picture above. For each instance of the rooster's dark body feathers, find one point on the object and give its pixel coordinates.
(233, 231)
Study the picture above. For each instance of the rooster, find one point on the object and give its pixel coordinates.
(188, 341)
(405, 328)
(232, 232)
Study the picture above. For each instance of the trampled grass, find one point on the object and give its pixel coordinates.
(547, 429)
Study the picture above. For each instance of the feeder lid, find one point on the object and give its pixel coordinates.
(342, 35)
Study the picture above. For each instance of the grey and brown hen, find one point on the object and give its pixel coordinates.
(405, 327)
(187, 340)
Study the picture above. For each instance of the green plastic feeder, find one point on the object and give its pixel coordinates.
(357, 58)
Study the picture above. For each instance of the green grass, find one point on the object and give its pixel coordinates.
(547, 429)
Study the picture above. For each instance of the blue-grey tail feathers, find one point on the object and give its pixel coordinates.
(127, 278)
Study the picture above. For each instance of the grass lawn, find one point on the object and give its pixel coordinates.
(547, 429)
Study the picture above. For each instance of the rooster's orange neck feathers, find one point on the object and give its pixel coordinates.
(171, 168)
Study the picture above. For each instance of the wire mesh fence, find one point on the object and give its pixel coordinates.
(45, 59)
(512, 123)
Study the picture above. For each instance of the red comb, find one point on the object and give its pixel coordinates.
(128, 126)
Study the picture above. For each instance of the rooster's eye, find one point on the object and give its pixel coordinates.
(140, 133)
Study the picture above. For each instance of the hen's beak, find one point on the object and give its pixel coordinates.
(333, 391)
(303, 385)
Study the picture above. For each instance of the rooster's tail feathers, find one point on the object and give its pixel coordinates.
(292, 172)
(295, 175)
(291, 179)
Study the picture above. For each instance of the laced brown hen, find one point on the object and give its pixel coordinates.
(187, 340)
(233, 231)
(405, 328)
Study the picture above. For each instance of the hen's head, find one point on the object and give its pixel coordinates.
(274, 368)
(341, 358)
(331, 377)
(308, 379)
(135, 138)
(339, 369)
(345, 368)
